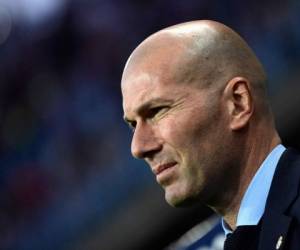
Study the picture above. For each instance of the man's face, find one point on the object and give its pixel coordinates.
(179, 130)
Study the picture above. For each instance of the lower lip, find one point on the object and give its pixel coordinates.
(165, 174)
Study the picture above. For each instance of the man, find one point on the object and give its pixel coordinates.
(195, 96)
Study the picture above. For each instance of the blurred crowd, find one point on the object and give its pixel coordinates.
(64, 150)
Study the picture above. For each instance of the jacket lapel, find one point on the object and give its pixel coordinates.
(276, 219)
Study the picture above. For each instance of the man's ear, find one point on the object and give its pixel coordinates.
(239, 102)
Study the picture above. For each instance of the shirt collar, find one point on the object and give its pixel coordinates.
(255, 198)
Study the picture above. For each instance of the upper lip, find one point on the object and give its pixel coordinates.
(161, 167)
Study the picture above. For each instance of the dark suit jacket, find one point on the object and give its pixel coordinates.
(280, 228)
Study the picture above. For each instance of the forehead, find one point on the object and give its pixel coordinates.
(145, 88)
(160, 68)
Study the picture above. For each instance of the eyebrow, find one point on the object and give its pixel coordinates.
(146, 105)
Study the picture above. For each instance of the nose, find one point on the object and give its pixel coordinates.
(145, 142)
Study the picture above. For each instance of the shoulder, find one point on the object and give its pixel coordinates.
(286, 181)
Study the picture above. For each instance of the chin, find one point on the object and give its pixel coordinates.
(178, 200)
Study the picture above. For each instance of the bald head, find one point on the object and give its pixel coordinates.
(194, 94)
(206, 51)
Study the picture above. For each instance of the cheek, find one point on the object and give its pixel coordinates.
(185, 134)
(185, 139)
(174, 132)
(193, 135)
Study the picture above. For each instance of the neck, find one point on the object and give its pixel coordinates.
(251, 161)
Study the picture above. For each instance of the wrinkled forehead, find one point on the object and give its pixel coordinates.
(142, 87)
(152, 73)
(149, 89)
(139, 84)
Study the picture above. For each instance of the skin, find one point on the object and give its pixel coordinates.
(194, 95)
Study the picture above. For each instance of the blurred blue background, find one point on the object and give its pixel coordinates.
(67, 180)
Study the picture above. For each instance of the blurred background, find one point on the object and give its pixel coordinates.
(67, 180)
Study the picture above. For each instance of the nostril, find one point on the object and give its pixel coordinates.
(142, 149)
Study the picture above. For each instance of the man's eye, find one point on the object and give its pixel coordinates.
(156, 110)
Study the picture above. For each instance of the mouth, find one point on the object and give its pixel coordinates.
(163, 167)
